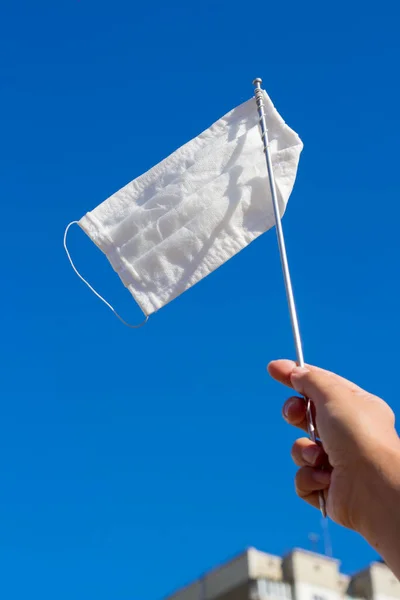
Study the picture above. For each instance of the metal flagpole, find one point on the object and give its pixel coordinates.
(285, 265)
(327, 539)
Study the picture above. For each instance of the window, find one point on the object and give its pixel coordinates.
(273, 590)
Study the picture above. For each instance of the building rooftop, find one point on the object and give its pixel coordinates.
(299, 575)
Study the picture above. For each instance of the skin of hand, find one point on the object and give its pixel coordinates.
(357, 464)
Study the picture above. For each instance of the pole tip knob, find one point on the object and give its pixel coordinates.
(258, 80)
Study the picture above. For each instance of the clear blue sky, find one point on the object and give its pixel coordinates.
(131, 461)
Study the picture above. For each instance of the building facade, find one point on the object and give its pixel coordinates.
(301, 575)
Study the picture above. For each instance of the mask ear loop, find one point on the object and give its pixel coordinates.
(91, 288)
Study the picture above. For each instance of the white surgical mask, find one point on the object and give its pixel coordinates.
(185, 217)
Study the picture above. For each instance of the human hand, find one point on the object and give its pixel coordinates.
(360, 446)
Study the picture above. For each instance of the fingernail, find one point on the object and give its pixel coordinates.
(311, 454)
(298, 371)
(320, 476)
(287, 406)
(296, 375)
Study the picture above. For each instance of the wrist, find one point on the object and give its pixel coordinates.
(378, 519)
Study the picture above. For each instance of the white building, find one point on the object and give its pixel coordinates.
(301, 575)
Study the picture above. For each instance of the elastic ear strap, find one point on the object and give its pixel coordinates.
(91, 288)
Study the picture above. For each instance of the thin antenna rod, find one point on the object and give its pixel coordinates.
(284, 261)
(314, 539)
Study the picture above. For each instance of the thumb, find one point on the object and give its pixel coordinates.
(320, 386)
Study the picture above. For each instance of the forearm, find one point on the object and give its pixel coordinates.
(380, 523)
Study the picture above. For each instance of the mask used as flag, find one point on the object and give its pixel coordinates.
(185, 217)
